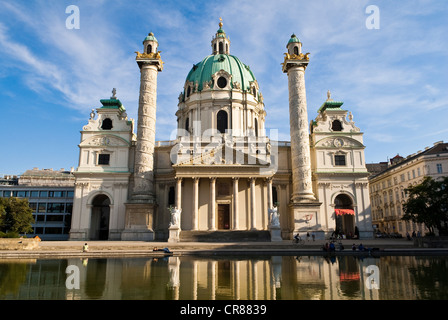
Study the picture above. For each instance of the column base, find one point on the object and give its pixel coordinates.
(305, 215)
(139, 220)
(276, 233)
(78, 235)
(174, 234)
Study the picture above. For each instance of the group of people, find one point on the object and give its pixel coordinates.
(331, 247)
(414, 235)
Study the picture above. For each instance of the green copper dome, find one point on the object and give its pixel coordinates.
(150, 37)
(203, 71)
(293, 39)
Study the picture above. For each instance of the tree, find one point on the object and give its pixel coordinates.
(15, 215)
(428, 204)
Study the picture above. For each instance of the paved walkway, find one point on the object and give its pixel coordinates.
(48, 249)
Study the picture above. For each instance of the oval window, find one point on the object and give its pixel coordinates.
(222, 82)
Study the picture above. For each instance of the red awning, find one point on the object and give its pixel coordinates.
(349, 276)
(344, 211)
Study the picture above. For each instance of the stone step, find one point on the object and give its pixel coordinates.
(224, 236)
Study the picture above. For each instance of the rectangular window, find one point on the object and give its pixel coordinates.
(33, 206)
(70, 194)
(53, 230)
(439, 168)
(68, 207)
(7, 193)
(103, 159)
(40, 217)
(56, 194)
(55, 207)
(55, 218)
(43, 194)
(22, 194)
(34, 194)
(339, 160)
(402, 177)
(42, 207)
(418, 172)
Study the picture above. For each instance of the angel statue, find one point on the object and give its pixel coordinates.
(274, 217)
(175, 216)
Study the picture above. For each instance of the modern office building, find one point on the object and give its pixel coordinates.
(50, 196)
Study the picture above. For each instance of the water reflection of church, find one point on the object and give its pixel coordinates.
(271, 278)
(189, 278)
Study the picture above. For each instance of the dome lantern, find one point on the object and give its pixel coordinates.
(294, 45)
(150, 44)
(220, 43)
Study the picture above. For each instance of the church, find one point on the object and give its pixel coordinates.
(223, 178)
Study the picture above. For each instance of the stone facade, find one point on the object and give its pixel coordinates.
(223, 174)
(387, 188)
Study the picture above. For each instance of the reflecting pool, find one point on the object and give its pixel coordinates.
(344, 277)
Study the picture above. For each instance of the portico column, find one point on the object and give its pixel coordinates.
(252, 204)
(269, 183)
(195, 202)
(179, 193)
(212, 213)
(235, 203)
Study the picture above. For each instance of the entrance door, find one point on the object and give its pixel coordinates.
(345, 223)
(99, 225)
(223, 216)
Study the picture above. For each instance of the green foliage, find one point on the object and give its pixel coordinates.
(15, 215)
(9, 235)
(428, 204)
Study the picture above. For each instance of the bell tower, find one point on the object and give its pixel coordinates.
(141, 205)
(304, 206)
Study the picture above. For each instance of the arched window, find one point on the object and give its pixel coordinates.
(336, 125)
(187, 124)
(221, 121)
(296, 50)
(221, 48)
(107, 124)
(149, 49)
(188, 91)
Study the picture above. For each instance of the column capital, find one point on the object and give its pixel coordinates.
(293, 60)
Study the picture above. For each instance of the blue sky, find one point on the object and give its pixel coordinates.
(393, 79)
